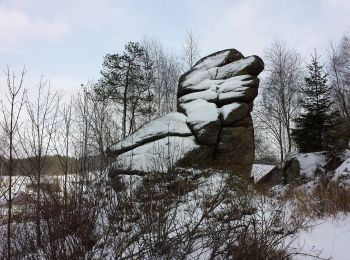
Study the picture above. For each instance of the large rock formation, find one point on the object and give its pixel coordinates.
(213, 126)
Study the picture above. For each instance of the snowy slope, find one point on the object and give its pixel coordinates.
(328, 239)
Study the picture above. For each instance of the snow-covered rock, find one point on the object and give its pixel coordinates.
(342, 173)
(259, 171)
(306, 166)
(157, 155)
(343, 170)
(219, 91)
(213, 126)
(172, 124)
(309, 167)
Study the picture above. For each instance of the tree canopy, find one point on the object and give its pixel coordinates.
(316, 124)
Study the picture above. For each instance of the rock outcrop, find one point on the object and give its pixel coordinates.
(311, 167)
(213, 125)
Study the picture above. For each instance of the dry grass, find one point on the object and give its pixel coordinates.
(325, 199)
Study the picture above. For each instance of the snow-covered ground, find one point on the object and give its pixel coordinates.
(329, 238)
(325, 238)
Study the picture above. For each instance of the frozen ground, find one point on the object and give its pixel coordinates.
(329, 238)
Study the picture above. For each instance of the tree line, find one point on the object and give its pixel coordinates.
(304, 104)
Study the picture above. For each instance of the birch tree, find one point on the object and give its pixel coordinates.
(191, 50)
(339, 70)
(278, 105)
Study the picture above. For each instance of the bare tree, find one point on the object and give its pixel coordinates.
(191, 50)
(97, 121)
(101, 124)
(278, 105)
(167, 70)
(36, 140)
(63, 143)
(10, 124)
(339, 67)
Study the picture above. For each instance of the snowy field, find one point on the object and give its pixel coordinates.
(21, 184)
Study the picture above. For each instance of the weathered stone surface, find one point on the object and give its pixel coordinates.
(203, 119)
(291, 170)
(234, 112)
(247, 121)
(215, 98)
(209, 134)
(243, 94)
(236, 143)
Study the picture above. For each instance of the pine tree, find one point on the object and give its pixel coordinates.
(127, 79)
(317, 122)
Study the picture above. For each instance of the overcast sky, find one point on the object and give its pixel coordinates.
(67, 39)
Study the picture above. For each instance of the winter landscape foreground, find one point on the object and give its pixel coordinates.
(196, 214)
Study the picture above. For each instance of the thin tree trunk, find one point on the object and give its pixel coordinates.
(281, 142)
(38, 203)
(10, 127)
(125, 100)
(9, 220)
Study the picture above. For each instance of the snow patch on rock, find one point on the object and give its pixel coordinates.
(200, 113)
(311, 164)
(233, 68)
(156, 156)
(173, 123)
(227, 109)
(342, 174)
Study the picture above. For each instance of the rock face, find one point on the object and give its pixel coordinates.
(213, 126)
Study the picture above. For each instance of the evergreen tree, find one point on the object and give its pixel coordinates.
(316, 124)
(127, 79)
